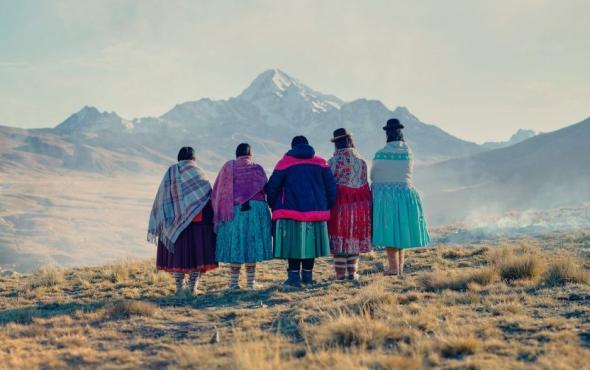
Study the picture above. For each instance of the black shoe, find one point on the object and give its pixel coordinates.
(293, 279)
(307, 277)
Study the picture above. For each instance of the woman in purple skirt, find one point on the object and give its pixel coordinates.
(181, 222)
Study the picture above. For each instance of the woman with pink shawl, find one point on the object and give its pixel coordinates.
(241, 216)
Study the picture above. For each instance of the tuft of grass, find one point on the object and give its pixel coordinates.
(119, 272)
(261, 354)
(371, 299)
(436, 281)
(347, 331)
(160, 277)
(459, 347)
(126, 309)
(565, 270)
(46, 276)
(346, 359)
(523, 264)
(461, 252)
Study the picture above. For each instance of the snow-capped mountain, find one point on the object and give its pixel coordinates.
(267, 114)
(284, 100)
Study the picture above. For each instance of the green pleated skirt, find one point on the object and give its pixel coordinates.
(295, 239)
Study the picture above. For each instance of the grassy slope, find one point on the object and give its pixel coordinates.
(457, 307)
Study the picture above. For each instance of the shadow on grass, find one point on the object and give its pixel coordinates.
(219, 299)
(224, 299)
(26, 315)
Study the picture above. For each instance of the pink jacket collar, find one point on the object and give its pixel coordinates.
(288, 161)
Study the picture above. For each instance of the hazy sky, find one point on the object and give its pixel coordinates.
(478, 69)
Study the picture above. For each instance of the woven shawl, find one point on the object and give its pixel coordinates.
(183, 193)
(393, 164)
(238, 181)
(349, 168)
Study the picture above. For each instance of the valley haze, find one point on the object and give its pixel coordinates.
(80, 193)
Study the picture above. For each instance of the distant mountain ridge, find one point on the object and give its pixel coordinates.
(519, 136)
(547, 170)
(90, 119)
(272, 109)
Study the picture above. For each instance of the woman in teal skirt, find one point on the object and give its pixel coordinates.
(301, 192)
(242, 217)
(398, 217)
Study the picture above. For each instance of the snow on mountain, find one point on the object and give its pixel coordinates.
(275, 87)
(267, 114)
(276, 106)
(517, 137)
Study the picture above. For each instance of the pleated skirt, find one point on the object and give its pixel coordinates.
(398, 217)
(295, 239)
(246, 238)
(350, 221)
(194, 249)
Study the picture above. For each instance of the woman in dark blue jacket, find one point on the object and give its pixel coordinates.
(301, 192)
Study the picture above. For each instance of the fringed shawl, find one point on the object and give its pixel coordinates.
(182, 195)
(238, 181)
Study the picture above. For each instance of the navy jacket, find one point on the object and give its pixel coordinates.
(301, 187)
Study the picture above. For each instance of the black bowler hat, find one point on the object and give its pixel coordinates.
(393, 124)
(340, 133)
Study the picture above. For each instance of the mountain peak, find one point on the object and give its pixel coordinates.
(272, 81)
(279, 79)
(404, 114)
(89, 118)
(275, 86)
(521, 135)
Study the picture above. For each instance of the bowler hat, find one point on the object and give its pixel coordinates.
(340, 133)
(393, 124)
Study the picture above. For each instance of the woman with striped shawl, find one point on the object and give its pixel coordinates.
(181, 222)
(398, 218)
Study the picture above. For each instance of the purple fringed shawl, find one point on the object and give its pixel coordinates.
(238, 181)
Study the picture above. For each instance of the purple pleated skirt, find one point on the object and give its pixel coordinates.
(194, 249)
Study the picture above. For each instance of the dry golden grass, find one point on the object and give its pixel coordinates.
(347, 331)
(519, 264)
(439, 280)
(127, 309)
(566, 270)
(459, 346)
(47, 276)
(265, 354)
(524, 305)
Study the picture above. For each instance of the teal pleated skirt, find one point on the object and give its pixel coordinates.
(246, 238)
(398, 217)
(295, 239)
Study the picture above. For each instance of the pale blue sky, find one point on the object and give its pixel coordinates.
(478, 69)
